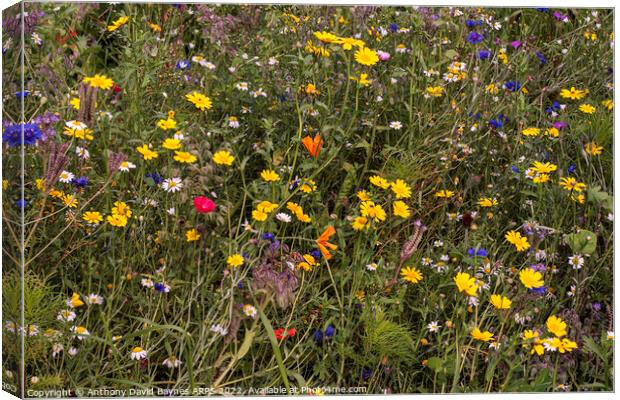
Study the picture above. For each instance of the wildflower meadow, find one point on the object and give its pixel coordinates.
(267, 199)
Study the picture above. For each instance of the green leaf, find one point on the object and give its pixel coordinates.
(436, 364)
(582, 242)
(599, 197)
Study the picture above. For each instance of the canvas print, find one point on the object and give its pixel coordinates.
(234, 199)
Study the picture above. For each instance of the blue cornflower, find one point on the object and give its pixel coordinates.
(268, 236)
(13, 134)
(155, 177)
(484, 54)
(161, 287)
(475, 116)
(366, 373)
(571, 168)
(542, 9)
(498, 122)
(554, 107)
(474, 37)
(393, 27)
(294, 184)
(471, 23)
(21, 203)
(183, 64)
(477, 253)
(541, 58)
(515, 169)
(22, 95)
(318, 336)
(329, 331)
(80, 182)
(240, 285)
(512, 86)
(540, 291)
(316, 254)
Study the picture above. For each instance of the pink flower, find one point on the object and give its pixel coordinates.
(383, 56)
(204, 204)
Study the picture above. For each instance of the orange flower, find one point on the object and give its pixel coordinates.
(313, 145)
(323, 243)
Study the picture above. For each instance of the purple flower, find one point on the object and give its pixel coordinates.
(515, 44)
(474, 37)
(484, 54)
(13, 134)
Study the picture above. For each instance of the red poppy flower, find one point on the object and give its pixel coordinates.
(204, 204)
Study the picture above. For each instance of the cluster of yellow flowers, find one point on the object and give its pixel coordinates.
(371, 211)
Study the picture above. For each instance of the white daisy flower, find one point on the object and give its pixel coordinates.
(56, 349)
(138, 353)
(66, 177)
(283, 217)
(82, 153)
(243, 86)
(396, 125)
(73, 351)
(250, 310)
(66, 316)
(147, 282)
(433, 326)
(171, 211)
(219, 329)
(233, 122)
(80, 332)
(126, 166)
(94, 298)
(371, 266)
(172, 362)
(75, 125)
(576, 261)
(172, 185)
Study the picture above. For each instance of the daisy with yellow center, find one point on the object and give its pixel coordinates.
(118, 23)
(573, 93)
(379, 182)
(92, 217)
(235, 260)
(326, 37)
(366, 56)
(572, 184)
(146, 152)
(434, 91)
(531, 278)
(466, 283)
(556, 326)
(587, 108)
(411, 274)
(515, 238)
(269, 175)
(360, 223)
(500, 302)
(223, 157)
(481, 336)
(171, 144)
(532, 131)
(192, 235)
(401, 189)
(446, 194)
(372, 210)
(117, 220)
(401, 209)
(593, 149)
(199, 100)
(487, 202)
(185, 157)
(99, 81)
(121, 208)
